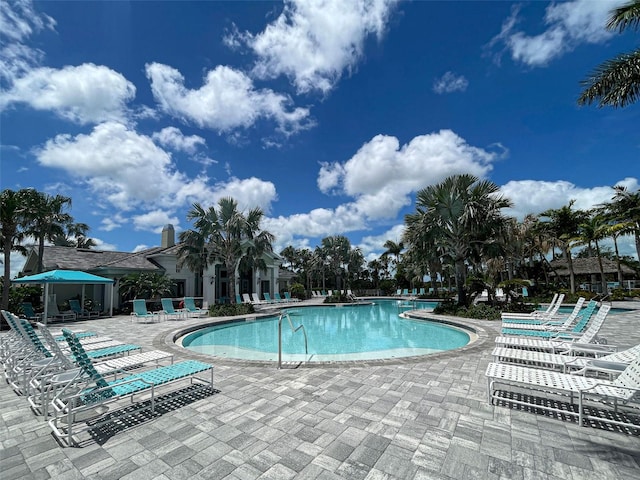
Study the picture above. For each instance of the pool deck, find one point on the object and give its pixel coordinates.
(425, 418)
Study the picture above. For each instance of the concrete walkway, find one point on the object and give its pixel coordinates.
(425, 418)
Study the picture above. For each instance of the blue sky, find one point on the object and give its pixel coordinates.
(329, 115)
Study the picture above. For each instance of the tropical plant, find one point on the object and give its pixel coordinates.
(75, 236)
(616, 82)
(626, 208)
(462, 215)
(145, 285)
(192, 252)
(13, 214)
(46, 219)
(336, 250)
(592, 230)
(562, 226)
(230, 237)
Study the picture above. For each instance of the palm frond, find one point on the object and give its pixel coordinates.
(625, 16)
(615, 83)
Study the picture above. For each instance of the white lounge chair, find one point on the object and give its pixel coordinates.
(553, 329)
(550, 312)
(541, 323)
(563, 341)
(255, 299)
(620, 394)
(612, 363)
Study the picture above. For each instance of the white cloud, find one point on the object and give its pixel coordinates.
(112, 159)
(317, 223)
(373, 245)
(380, 178)
(249, 193)
(18, 22)
(84, 94)
(172, 137)
(532, 196)
(226, 101)
(382, 175)
(154, 221)
(314, 42)
(449, 83)
(569, 24)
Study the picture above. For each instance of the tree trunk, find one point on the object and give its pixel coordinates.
(603, 279)
(618, 264)
(460, 276)
(7, 273)
(572, 276)
(40, 254)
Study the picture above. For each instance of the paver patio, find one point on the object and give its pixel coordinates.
(425, 418)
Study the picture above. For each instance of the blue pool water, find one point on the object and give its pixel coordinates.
(362, 332)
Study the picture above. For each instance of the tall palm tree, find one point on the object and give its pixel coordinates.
(465, 214)
(592, 230)
(13, 212)
(229, 235)
(337, 249)
(616, 82)
(626, 205)
(192, 252)
(75, 236)
(563, 226)
(46, 219)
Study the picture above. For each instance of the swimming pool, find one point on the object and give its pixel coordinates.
(346, 333)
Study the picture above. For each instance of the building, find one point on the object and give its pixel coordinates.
(212, 287)
(587, 273)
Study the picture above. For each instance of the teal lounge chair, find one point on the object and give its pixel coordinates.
(92, 392)
(238, 298)
(171, 313)
(140, 311)
(74, 305)
(41, 387)
(267, 298)
(192, 310)
(29, 312)
(289, 298)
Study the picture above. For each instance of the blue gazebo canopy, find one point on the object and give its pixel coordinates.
(59, 277)
(63, 276)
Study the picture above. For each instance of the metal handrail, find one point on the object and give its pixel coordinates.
(294, 330)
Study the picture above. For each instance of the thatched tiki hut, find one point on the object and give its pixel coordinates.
(587, 272)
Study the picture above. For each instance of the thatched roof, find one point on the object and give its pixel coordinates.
(589, 266)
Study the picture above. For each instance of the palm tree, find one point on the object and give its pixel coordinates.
(192, 252)
(563, 226)
(616, 82)
(462, 213)
(75, 236)
(593, 229)
(626, 205)
(230, 235)
(337, 249)
(13, 213)
(46, 219)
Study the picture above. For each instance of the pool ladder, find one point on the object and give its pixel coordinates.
(294, 330)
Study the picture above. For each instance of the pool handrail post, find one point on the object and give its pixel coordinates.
(294, 330)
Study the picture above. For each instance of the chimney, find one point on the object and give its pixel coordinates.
(168, 236)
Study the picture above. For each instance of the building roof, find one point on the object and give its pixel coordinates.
(87, 260)
(589, 266)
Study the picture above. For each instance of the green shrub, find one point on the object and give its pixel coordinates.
(230, 309)
(479, 312)
(297, 291)
(337, 297)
